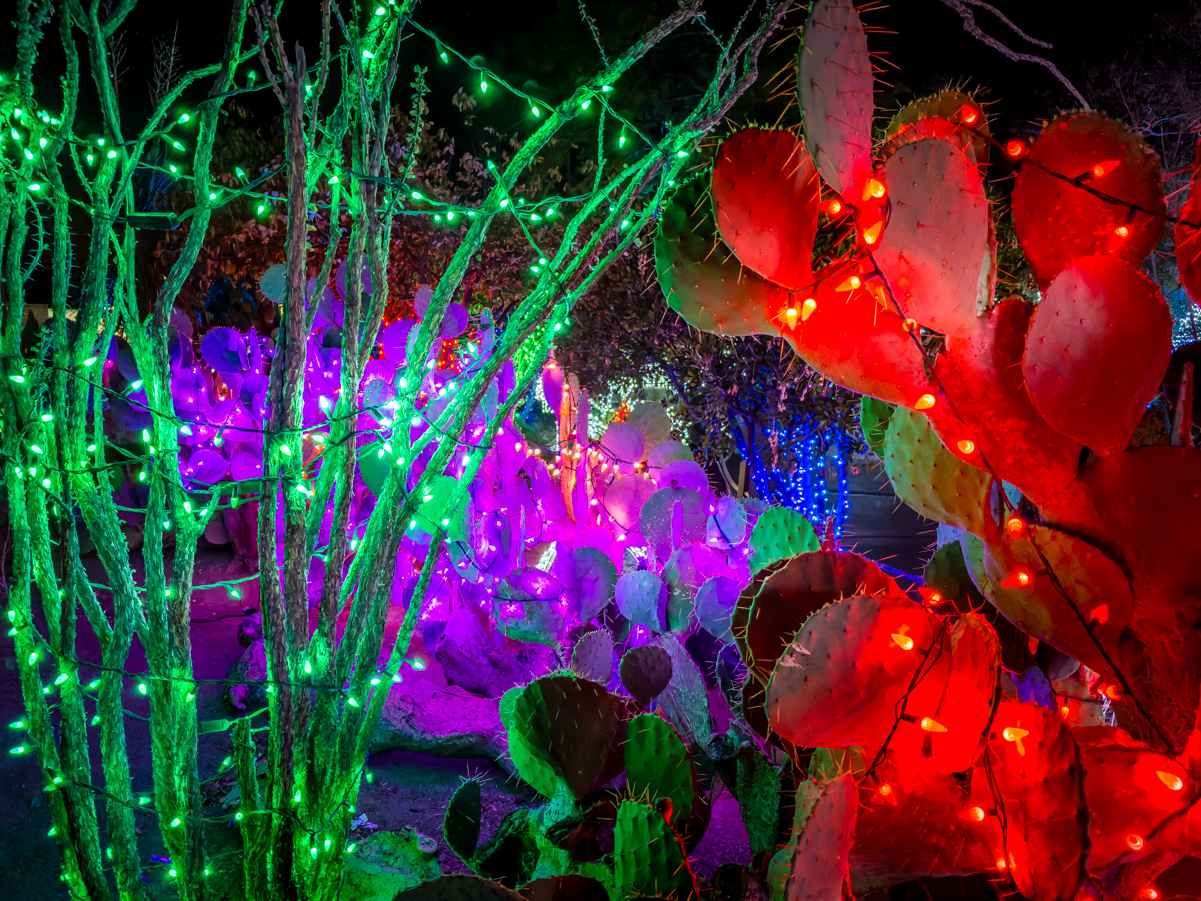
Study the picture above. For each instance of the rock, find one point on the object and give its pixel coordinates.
(250, 630)
(249, 672)
(477, 657)
(424, 713)
(387, 863)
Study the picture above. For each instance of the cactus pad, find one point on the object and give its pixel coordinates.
(461, 820)
(658, 766)
(780, 533)
(937, 251)
(459, 888)
(841, 679)
(592, 656)
(873, 420)
(641, 597)
(1058, 221)
(835, 86)
(645, 672)
(821, 864)
(950, 114)
(567, 727)
(931, 479)
(685, 701)
(700, 278)
(765, 200)
(1097, 349)
(1040, 781)
(647, 858)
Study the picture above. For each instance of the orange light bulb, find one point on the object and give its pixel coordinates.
(1135, 842)
(1022, 577)
(833, 206)
(925, 402)
(1015, 148)
(790, 315)
(873, 189)
(1122, 231)
(807, 308)
(850, 284)
(1171, 780)
(976, 813)
(1015, 734)
(885, 789)
(1014, 525)
(872, 235)
(1149, 893)
(968, 114)
(966, 446)
(929, 724)
(901, 639)
(909, 324)
(1103, 168)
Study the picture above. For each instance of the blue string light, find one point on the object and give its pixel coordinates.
(793, 474)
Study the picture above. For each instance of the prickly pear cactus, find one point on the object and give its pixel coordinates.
(1097, 348)
(658, 766)
(645, 672)
(1057, 222)
(835, 87)
(565, 731)
(873, 421)
(1040, 780)
(765, 197)
(700, 279)
(928, 477)
(685, 701)
(461, 820)
(592, 656)
(951, 114)
(647, 858)
(821, 864)
(757, 786)
(780, 533)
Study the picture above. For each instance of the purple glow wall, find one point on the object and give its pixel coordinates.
(548, 539)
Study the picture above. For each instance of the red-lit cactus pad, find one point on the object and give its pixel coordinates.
(765, 198)
(1040, 784)
(821, 864)
(1096, 351)
(937, 252)
(1043, 576)
(1058, 216)
(859, 665)
(949, 708)
(948, 114)
(834, 83)
(700, 277)
(1138, 800)
(914, 824)
(852, 339)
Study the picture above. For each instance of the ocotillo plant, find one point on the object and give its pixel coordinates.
(326, 686)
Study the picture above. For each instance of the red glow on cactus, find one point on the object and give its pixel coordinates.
(929, 724)
(1001, 865)
(925, 402)
(1171, 780)
(1015, 734)
(1135, 842)
(1149, 893)
(873, 189)
(1017, 579)
(1111, 691)
(1100, 614)
(968, 114)
(1015, 148)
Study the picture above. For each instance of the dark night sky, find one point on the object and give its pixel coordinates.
(547, 40)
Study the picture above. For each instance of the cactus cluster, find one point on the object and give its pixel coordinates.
(1008, 420)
